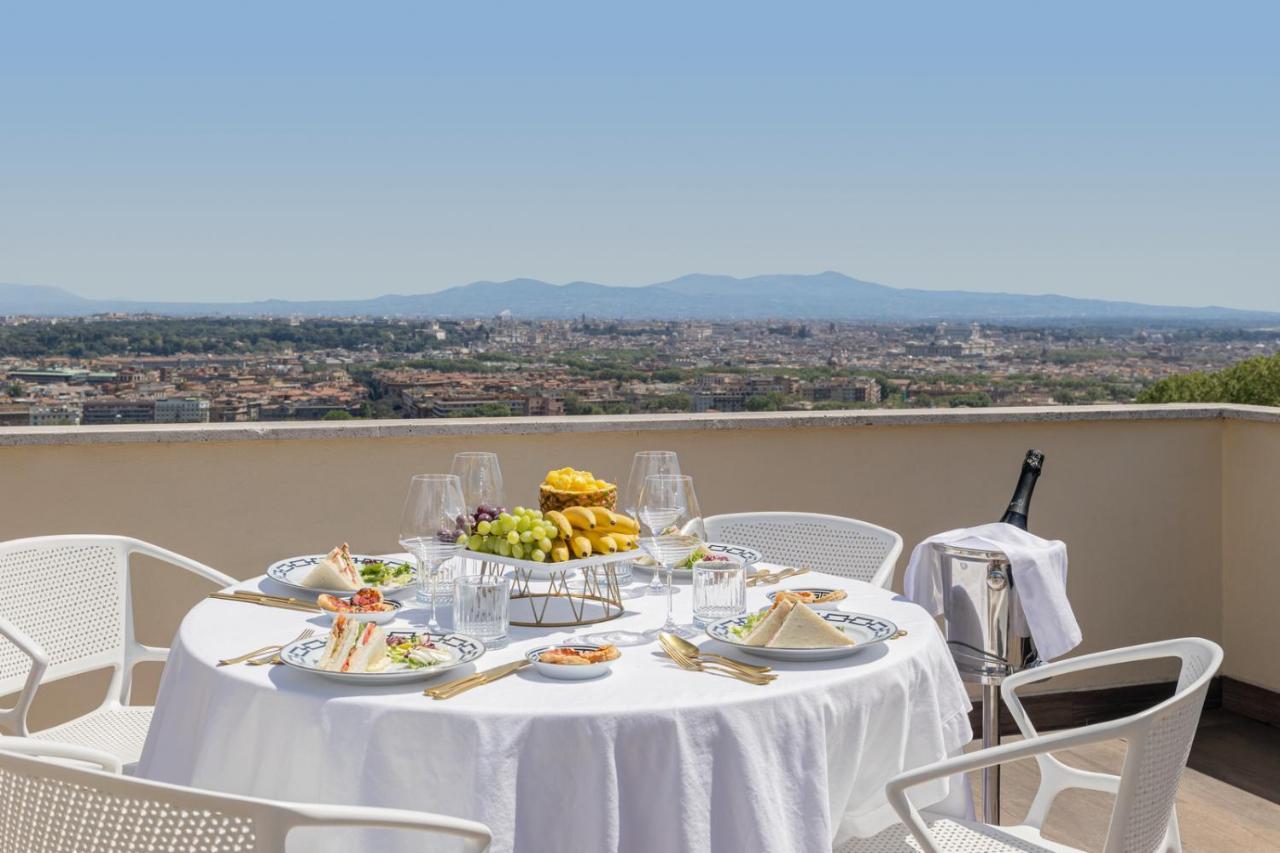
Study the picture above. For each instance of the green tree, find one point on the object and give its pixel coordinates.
(337, 415)
(1255, 382)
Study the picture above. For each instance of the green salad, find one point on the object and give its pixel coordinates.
(385, 574)
(750, 624)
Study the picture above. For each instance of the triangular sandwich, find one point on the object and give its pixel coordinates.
(769, 625)
(805, 629)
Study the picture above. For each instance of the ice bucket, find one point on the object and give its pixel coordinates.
(985, 627)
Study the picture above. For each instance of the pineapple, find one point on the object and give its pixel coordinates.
(568, 487)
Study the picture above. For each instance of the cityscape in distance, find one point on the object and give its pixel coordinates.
(528, 348)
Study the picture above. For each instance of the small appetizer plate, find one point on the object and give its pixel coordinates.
(864, 629)
(818, 592)
(568, 671)
(291, 571)
(377, 617)
(644, 566)
(305, 656)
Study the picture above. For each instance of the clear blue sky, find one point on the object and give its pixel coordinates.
(241, 150)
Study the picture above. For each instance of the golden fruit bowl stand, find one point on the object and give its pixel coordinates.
(577, 592)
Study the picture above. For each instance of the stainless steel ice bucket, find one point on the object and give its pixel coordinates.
(984, 621)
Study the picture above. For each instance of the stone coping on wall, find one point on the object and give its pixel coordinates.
(293, 430)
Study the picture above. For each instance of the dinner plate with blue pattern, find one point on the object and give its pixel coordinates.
(864, 629)
(397, 581)
(305, 655)
(747, 556)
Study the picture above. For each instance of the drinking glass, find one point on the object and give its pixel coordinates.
(480, 608)
(432, 526)
(483, 494)
(645, 464)
(719, 591)
(671, 529)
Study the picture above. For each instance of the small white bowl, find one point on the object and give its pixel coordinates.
(380, 617)
(817, 591)
(569, 671)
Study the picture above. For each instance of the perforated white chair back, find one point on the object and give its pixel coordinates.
(1159, 742)
(50, 805)
(69, 595)
(832, 544)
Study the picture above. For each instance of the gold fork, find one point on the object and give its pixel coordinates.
(685, 662)
(274, 657)
(244, 657)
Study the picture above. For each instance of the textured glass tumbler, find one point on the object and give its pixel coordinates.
(480, 607)
(719, 591)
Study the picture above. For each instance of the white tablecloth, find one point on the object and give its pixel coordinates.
(649, 759)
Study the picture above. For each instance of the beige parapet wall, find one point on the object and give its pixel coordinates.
(1171, 513)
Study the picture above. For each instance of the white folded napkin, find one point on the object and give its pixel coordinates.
(1039, 572)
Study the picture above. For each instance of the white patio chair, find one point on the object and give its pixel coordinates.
(1143, 818)
(825, 543)
(50, 805)
(65, 607)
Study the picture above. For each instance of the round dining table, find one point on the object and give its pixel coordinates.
(650, 758)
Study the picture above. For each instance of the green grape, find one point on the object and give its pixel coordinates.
(523, 524)
(504, 517)
(536, 513)
(503, 548)
(538, 555)
(518, 511)
(544, 543)
(508, 525)
(476, 542)
(462, 539)
(526, 537)
(513, 538)
(517, 551)
(482, 528)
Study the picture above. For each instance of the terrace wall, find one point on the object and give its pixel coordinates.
(1152, 501)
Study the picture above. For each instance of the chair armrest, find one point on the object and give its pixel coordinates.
(896, 788)
(15, 718)
(137, 546)
(62, 752)
(476, 836)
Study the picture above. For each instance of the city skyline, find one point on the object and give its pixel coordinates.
(316, 151)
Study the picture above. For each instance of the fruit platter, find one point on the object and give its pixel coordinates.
(571, 541)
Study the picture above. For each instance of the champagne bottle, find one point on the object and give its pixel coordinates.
(1016, 514)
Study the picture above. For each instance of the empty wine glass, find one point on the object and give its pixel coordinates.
(433, 527)
(645, 464)
(671, 529)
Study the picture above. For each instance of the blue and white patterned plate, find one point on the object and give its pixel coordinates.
(568, 672)
(305, 656)
(288, 572)
(818, 592)
(748, 557)
(864, 629)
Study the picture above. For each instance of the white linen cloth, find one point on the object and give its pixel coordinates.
(1039, 568)
(647, 759)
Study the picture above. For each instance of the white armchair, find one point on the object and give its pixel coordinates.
(833, 544)
(1143, 819)
(54, 803)
(66, 609)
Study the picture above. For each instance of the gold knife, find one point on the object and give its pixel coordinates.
(279, 599)
(263, 602)
(461, 685)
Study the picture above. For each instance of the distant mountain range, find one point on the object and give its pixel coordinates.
(825, 296)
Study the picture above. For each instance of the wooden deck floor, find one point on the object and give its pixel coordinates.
(1229, 799)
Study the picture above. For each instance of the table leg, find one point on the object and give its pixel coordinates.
(990, 738)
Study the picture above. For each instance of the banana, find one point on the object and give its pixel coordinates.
(581, 546)
(603, 515)
(623, 541)
(580, 517)
(622, 524)
(601, 543)
(562, 524)
(559, 552)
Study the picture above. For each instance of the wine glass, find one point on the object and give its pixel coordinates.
(433, 526)
(645, 464)
(483, 494)
(671, 530)
(481, 483)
